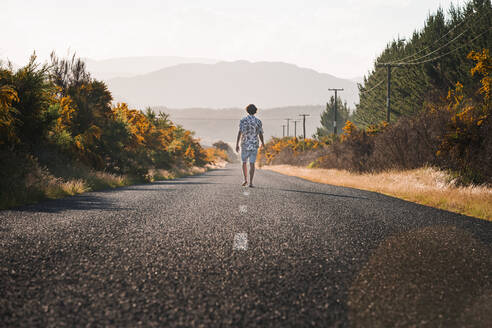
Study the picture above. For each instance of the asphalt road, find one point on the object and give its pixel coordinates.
(204, 251)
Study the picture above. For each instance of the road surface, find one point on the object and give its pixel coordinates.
(204, 251)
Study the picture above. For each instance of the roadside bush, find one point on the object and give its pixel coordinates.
(466, 146)
(288, 151)
(231, 155)
(21, 179)
(61, 134)
(214, 154)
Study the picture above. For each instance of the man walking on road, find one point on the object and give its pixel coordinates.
(250, 128)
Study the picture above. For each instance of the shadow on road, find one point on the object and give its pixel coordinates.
(206, 175)
(176, 182)
(217, 175)
(314, 193)
(145, 188)
(79, 202)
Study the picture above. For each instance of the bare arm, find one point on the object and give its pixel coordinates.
(261, 138)
(237, 140)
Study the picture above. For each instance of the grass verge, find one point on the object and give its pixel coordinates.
(40, 184)
(426, 186)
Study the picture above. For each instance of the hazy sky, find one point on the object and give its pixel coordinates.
(337, 37)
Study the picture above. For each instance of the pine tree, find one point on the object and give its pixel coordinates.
(328, 116)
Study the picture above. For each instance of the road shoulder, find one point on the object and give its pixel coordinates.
(425, 186)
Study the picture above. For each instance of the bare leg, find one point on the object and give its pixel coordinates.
(251, 173)
(245, 173)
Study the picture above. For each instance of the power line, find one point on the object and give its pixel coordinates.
(436, 50)
(427, 55)
(447, 53)
(428, 47)
(434, 43)
(374, 87)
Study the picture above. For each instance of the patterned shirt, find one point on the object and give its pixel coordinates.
(250, 127)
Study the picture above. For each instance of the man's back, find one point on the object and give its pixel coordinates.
(250, 128)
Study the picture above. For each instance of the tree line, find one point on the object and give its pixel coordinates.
(435, 58)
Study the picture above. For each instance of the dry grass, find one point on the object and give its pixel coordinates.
(427, 186)
(100, 180)
(93, 180)
(57, 188)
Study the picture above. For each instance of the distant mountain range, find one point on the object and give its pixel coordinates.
(228, 84)
(131, 66)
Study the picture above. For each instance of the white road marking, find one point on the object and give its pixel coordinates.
(240, 241)
(243, 208)
(246, 193)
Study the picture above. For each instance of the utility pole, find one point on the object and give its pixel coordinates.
(283, 130)
(388, 94)
(335, 120)
(295, 128)
(303, 125)
(288, 119)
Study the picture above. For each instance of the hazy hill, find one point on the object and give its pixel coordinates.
(131, 66)
(231, 84)
(211, 125)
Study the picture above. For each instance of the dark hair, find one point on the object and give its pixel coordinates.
(251, 109)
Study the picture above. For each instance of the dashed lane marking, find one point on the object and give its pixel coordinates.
(243, 209)
(240, 241)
